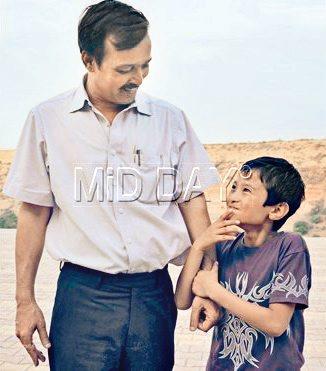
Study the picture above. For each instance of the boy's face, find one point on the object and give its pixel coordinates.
(247, 197)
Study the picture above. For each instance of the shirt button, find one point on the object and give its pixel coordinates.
(121, 211)
(113, 152)
(129, 241)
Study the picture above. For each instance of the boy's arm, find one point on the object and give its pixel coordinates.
(222, 230)
(273, 320)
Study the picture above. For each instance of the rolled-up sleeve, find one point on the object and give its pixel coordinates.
(195, 169)
(28, 178)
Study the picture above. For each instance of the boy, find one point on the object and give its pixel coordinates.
(263, 276)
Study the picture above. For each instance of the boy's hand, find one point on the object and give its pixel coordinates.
(204, 314)
(204, 281)
(223, 229)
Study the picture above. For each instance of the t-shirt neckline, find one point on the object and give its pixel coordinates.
(240, 241)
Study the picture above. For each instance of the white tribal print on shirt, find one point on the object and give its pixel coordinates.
(277, 272)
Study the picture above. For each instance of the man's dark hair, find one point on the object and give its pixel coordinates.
(282, 181)
(126, 25)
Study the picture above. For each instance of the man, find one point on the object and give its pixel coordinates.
(114, 306)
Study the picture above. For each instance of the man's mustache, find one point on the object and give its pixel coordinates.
(130, 86)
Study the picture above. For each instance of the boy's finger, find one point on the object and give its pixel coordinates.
(225, 223)
(194, 318)
(226, 215)
(226, 237)
(229, 230)
(233, 229)
(206, 325)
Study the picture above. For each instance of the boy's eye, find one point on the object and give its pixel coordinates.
(246, 190)
(233, 187)
(145, 66)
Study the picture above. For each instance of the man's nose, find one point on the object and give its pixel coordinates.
(138, 76)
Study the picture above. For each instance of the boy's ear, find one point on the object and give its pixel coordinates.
(278, 211)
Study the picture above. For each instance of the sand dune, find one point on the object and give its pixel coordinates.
(309, 156)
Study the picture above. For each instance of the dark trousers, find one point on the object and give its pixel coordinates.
(102, 321)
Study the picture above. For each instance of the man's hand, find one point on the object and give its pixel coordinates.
(29, 318)
(204, 314)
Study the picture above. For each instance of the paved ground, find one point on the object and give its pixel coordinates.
(191, 348)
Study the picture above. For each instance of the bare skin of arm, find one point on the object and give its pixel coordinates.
(32, 223)
(273, 320)
(197, 220)
(220, 231)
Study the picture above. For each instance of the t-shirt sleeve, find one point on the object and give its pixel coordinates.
(28, 177)
(195, 169)
(292, 281)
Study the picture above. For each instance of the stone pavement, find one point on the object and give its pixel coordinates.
(191, 348)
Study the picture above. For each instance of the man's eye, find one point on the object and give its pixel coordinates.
(233, 187)
(246, 190)
(124, 71)
(144, 66)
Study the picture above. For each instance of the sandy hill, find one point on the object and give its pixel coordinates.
(309, 156)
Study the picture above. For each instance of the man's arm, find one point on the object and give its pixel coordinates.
(32, 223)
(221, 230)
(196, 217)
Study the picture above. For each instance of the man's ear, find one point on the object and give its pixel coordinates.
(88, 61)
(278, 211)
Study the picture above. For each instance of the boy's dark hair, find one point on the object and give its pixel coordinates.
(282, 181)
(127, 25)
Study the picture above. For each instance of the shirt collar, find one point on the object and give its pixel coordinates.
(81, 100)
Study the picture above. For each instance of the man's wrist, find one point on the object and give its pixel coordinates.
(23, 298)
(196, 246)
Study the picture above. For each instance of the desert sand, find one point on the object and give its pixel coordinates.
(308, 155)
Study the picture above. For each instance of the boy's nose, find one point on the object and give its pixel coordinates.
(233, 197)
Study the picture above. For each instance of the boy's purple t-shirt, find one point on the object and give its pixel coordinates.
(279, 271)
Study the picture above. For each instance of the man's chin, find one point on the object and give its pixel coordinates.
(127, 97)
(125, 102)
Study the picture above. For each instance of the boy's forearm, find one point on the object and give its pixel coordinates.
(255, 315)
(32, 223)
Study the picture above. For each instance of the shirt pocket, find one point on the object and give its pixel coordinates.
(156, 172)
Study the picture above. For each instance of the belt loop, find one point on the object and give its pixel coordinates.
(61, 265)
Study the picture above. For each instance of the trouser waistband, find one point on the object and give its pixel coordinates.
(128, 279)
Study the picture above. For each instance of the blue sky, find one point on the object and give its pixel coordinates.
(242, 70)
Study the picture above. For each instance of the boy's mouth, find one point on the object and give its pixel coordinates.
(232, 208)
